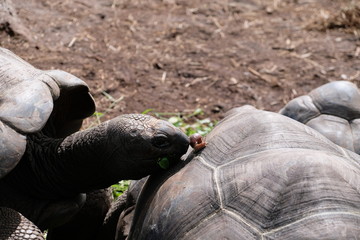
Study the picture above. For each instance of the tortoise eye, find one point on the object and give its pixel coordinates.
(161, 141)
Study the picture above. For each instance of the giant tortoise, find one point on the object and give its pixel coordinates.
(46, 164)
(332, 109)
(261, 176)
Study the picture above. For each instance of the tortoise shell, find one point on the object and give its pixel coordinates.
(33, 100)
(261, 176)
(332, 109)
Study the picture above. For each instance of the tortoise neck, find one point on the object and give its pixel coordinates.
(67, 166)
(80, 156)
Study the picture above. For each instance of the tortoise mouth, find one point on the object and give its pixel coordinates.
(157, 165)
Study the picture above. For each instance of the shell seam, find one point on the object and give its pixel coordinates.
(216, 180)
(222, 208)
(234, 215)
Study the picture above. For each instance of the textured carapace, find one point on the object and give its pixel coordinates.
(333, 110)
(261, 176)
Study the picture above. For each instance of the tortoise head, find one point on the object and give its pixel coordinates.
(141, 145)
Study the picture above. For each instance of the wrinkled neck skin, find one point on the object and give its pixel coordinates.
(56, 168)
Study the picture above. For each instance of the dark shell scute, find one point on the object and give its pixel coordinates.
(272, 190)
(222, 226)
(322, 226)
(171, 213)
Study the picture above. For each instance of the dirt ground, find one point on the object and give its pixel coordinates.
(178, 55)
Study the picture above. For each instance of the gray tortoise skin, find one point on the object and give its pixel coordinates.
(47, 165)
(333, 110)
(261, 176)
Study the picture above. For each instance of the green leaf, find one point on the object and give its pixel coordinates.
(164, 163)
(147, 111)
(98, 114)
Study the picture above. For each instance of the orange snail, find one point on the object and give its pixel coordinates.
(197, 142)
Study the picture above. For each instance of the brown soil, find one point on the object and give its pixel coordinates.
(178, 55)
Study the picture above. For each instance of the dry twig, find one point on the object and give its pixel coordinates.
(266, 78)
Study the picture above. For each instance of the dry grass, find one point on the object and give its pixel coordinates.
(347, 19)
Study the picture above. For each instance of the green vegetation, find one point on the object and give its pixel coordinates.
(119, 188)
(190, 123)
